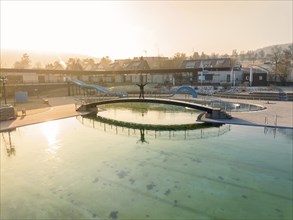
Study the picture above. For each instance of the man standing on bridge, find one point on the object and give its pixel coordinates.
(141, 87)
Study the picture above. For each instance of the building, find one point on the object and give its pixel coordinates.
(254, 77)
(221, 71)
(155, 62)
(215, 71)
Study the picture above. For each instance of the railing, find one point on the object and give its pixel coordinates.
(171, 133)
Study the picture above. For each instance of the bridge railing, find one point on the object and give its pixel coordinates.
(201, 133)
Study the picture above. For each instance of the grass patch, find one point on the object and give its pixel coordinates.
(156, 127)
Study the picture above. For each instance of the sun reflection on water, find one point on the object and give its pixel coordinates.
(51, 130)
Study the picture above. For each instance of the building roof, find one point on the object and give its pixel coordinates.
(116, 66)
(254, 70)
(138, 65)
(207, 63)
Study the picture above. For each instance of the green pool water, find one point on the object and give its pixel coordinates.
(79, 168)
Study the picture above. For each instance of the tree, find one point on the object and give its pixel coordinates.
(281, 61)
(203, 56)
(178, 59)
(74, 64)
(234, 54)
(49, 66)
(38, 65)
(261, 54)
(284, 66)
(214, 55)
(57, 65)
(242, 55)
(24, 63)
(224, 55)
(195, 56)
(251, 55)
(88, 64)
(105, 62)
(276, 56)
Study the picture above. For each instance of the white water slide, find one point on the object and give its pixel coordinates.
(98, 88)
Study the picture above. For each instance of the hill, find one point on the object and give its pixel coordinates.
(268, 49)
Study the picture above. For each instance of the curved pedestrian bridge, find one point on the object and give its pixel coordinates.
(214, 113)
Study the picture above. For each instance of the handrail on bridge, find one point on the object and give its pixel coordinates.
(211, 112)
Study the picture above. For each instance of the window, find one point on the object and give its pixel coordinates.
(228, 78)
(220, 61)
(190, 64)
(209, 77)
(207, 63)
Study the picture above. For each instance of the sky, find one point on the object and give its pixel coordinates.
(127, 29)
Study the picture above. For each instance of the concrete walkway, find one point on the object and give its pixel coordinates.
(63, 107)
(277, 113)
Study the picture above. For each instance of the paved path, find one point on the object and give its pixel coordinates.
(65, 107)
(60, 108)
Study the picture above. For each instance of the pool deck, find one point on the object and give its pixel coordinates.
(61, 107)
(276, 114)
(64, 107)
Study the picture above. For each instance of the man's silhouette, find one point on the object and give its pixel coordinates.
(141, 87)
(142, 137)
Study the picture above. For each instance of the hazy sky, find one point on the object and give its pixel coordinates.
(123, 29)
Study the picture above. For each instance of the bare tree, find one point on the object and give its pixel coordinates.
(214, 56)
(251, 55)
(276, 56)
(204, 56)
(281, 60)
(74, 64)
(261, 54)
(284, 66)
(234, 54)
(24, 63)
(38, 65)
(195, 56)
(242, 55)
(178, 59)
(49, 66)
(88, 64)
(105, 62)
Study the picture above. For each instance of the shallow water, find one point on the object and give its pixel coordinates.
(83, 169)
(231, 106)
(149, 113)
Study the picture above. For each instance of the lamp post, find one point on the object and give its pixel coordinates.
(3, 80)
(202, 74)
(202, 70)
(233, 76)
